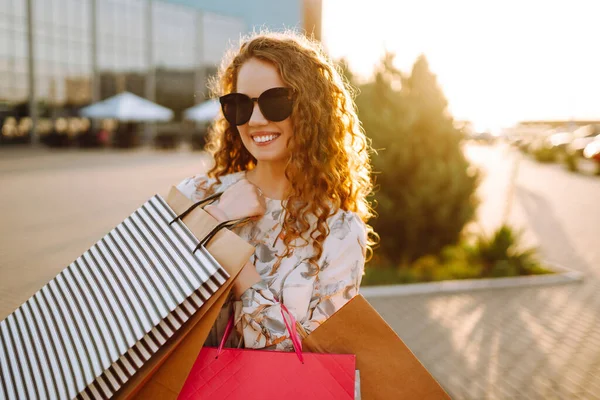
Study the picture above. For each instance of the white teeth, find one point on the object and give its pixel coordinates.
(264, 139)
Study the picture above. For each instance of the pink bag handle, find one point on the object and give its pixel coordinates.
(293, 334)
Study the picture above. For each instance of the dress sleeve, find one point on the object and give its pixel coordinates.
(194, 187)
(258, 316)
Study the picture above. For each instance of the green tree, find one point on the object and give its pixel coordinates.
(425, 187)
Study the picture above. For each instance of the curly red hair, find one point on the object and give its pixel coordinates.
(329, 166)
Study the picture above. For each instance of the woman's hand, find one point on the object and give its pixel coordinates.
(241, 200)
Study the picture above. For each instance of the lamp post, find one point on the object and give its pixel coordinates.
(31, 74)
(510, 193)
(150, 88)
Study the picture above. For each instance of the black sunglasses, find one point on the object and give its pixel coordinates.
(275, 105)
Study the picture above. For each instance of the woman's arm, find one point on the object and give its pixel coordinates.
(248, 275)
(195, 187)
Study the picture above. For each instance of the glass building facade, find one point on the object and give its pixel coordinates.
(13, 51)
(87, 50)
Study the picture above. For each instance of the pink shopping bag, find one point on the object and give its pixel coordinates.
(223, 373)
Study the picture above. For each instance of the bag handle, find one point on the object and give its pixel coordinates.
(202, 202)
(227, 224)
(293, 334)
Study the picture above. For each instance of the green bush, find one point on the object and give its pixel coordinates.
(570, 162)
(475, 257)
(501, 255)
(425, 188)
(378, 275)
(544, 154)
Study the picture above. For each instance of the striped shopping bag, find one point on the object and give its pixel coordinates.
(88, 330)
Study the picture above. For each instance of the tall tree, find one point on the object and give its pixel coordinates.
(425, 188)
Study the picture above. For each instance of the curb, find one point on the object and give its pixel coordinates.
(562, 275)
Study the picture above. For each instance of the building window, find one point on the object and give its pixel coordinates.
(62, 36)
(121, 46)
(13, 52)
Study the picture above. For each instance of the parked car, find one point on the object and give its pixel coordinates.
(591, 155)
(581, 138)
(525, 143)
(550, 146)
(558, 143)
(483, 137)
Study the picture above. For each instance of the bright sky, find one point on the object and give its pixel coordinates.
(497, 61)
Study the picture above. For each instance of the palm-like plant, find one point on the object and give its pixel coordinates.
(501, 255)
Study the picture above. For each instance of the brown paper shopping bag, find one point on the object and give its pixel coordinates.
(388, 369)
(163, 376)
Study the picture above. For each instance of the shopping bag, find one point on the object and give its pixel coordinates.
(388, 369)
(232, 374)
(91, 327)
(163, 376)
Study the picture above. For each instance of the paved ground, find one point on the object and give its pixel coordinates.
(535, 343)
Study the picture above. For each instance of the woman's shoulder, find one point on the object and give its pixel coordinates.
(347, 236)
(344, 225)
(196, 186)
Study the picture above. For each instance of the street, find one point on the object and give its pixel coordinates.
(558, 209)
(533, 343)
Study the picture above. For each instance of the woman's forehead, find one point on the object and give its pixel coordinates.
(255, 76)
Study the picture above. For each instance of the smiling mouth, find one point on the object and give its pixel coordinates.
(264, 139)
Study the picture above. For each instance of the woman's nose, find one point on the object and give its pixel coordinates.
(257, 118)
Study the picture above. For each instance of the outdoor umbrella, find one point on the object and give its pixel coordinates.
(127, 107)
(203, 112)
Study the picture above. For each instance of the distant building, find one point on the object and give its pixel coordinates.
(163, 50)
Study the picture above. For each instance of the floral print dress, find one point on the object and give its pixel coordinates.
(310, 298)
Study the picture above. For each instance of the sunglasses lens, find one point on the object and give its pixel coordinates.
(237, 108)
(276, 104)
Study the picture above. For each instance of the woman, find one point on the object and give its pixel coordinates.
(290, 152)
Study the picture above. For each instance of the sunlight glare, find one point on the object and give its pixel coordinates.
(497, 62)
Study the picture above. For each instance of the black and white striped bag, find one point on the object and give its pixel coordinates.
(88, 330)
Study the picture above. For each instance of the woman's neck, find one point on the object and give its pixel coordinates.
(270, 178)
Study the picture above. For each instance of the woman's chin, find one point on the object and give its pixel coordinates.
(266, 156)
